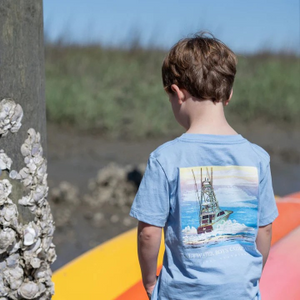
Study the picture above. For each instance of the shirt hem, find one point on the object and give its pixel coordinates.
(270, 219)
(146, 219)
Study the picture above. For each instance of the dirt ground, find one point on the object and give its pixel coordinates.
(76, 157)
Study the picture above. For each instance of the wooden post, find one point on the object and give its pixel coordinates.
(26, 223)
(22, 75)
(22, 72)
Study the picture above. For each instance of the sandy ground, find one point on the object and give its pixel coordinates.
(76, 157)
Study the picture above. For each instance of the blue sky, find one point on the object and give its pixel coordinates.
(246, 26)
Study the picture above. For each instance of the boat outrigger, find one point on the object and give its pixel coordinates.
(210, 214)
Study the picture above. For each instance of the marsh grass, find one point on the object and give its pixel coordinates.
(267, 86)
(119, 93)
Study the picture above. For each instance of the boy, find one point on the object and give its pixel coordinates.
(210, 189)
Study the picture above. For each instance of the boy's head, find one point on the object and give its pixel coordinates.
(203, 66)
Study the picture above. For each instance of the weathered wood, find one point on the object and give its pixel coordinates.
(26, 222)
(22, 77)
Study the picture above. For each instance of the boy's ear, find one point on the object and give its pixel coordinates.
(227, 101)
(179, 93)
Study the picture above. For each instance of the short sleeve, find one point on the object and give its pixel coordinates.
(268, 210)
(151, 203)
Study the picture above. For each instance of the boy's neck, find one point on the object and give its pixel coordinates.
(207, 117)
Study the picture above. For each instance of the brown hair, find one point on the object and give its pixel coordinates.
(202, 65)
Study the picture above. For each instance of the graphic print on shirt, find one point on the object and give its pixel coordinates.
(218, 205)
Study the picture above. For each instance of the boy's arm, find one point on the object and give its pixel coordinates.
(263, 241)
(149, 238)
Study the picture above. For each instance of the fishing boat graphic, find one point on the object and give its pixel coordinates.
(210, 214)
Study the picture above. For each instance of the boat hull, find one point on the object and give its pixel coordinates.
(210, 227)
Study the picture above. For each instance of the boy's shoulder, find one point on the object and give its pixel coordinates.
(260, 152)
(164, 149)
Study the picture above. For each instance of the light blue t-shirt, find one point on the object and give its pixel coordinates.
(210, 193)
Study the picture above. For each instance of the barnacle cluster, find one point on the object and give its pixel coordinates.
(5, 161)
(107, 201)
(68, 195)
(115, 185)
(26, 250)
(11, 115)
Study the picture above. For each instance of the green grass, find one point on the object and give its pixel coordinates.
(267, 86)
(119, 92)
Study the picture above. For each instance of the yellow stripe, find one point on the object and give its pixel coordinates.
(104, 272)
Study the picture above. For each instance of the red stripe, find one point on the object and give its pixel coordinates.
(136, 292)
(281, 275)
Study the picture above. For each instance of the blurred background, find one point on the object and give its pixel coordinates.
(107, 110)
